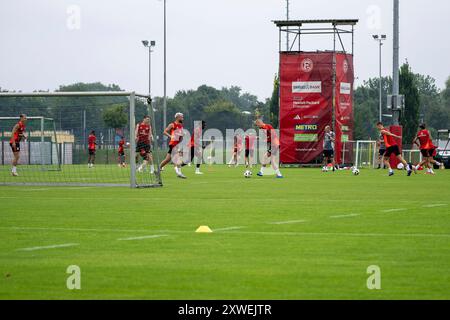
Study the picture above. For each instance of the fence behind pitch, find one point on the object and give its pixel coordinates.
(56, 151)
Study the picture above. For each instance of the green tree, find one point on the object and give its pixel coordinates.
(410, 116)
(115, 117)
(274, 102)
(223, 115)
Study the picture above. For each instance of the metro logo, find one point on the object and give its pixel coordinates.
(306, 127)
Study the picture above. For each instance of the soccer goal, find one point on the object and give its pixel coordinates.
(67, 130)
(366, 154)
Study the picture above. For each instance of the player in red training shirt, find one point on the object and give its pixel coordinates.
(92, 145)
(425, 143)
(18, 133)
(250, 139)
(237, 149)
(174, 132)
(197, 146)
(143, 136)
(392, 148)
(273, 145)
(121, 152)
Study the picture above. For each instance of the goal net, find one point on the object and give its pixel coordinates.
(366, 154)
(77, 139)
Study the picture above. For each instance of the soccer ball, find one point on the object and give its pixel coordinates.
(325, 169)
(127, 144)
(247, 174)
(400, 166)
(355, 171)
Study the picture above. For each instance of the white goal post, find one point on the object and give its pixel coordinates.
(95, 179)
(366, 154)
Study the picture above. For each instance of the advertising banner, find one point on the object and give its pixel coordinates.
(305, 104)
(344, 107)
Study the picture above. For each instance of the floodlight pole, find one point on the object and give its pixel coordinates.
(380, 40)
(165, 74)
(287, 18)
(396, 64)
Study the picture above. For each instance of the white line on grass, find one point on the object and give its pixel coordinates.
(78, 229)
(344, 234)
(228, 229)
(287, 222)
(435, 205)
(393, 210)
(50, 247)
(345, 216)
(144, 237)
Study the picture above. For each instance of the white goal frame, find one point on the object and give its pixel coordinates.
(132, 99)
(358, 143)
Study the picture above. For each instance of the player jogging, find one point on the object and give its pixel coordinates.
(143, 136)
(271, 152)
(328, 147)
(427, 149)
(174, 132)
(121, 153)
(92, 145)
(381, 151)
(391, 148)
(249, 149)
(18, 133)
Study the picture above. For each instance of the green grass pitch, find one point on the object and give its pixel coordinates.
(311, 235)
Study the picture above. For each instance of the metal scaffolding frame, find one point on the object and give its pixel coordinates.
(337, 28)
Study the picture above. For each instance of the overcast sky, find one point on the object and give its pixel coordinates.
(46, 43)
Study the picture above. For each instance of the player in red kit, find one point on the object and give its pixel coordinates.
(249, 149)
(143, 136)
(18, 133)
(425, 143)
(273, 144)
(197, 146)
(237, 149)
(391, 148)
(92, 144)
(121, 153)
(174, 132)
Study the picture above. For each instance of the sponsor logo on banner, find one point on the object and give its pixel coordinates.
(307, 87)
(306, 150)
(346, 88)
(345, 118)
(345, 66)
(345, 138)
(297, 117)
(345, 128)
(306, 127)
(306, 137)
(307, 65)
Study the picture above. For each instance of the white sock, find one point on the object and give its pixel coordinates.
(177, 170)
(152, 168)
(390, 170)
(278, 172)
(261, 170)
(438, 164)
(14, 169)
(408, 167)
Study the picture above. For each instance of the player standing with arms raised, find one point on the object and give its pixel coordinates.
(143, 136)
(391, 148)
(18, 133)
(174, 132)
(272, 141)
(92, 145)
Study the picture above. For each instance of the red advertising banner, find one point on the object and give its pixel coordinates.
(305, 104)
(344, 107)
